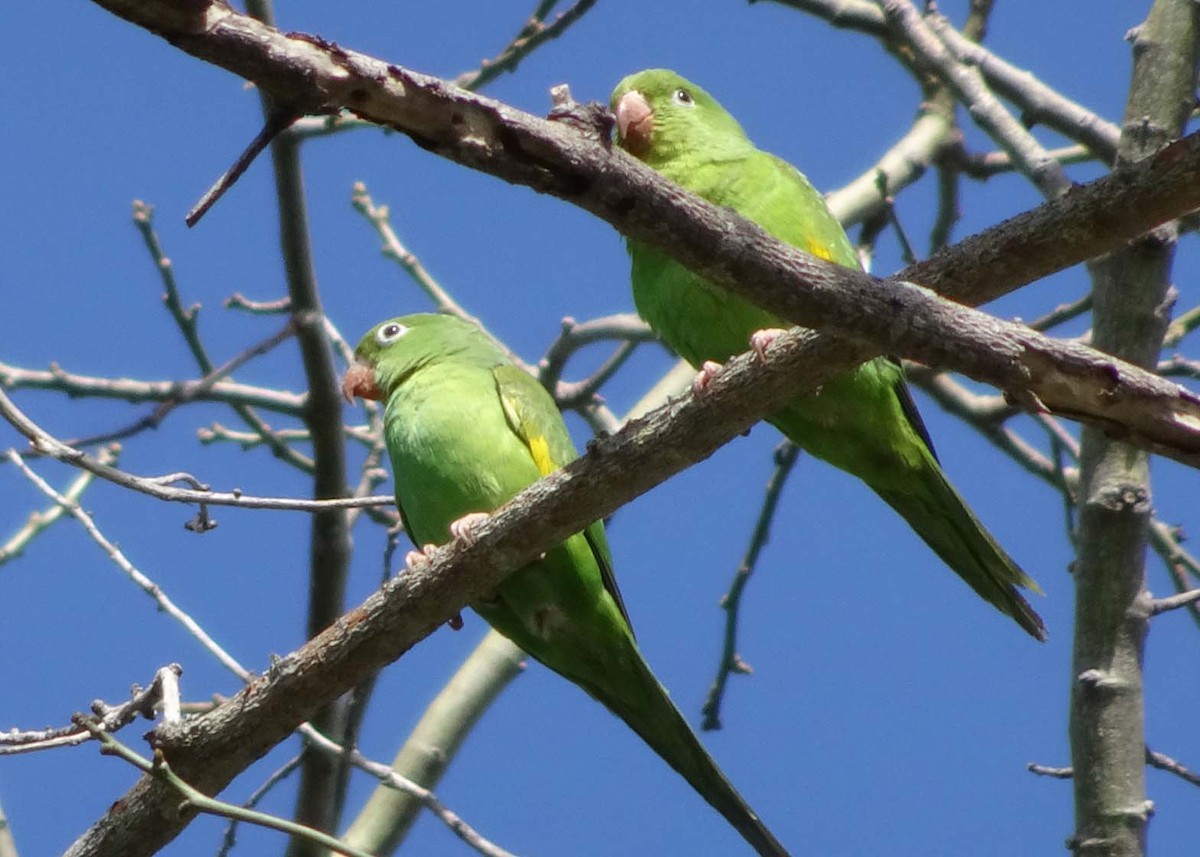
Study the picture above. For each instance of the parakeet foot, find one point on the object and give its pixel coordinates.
(415, 559)
(464, 527)
(761, 340)
(704, 377)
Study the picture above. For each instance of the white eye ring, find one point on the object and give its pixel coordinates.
(390, 332)
(682, 96)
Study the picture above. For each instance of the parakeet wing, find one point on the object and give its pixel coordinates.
(550, 447)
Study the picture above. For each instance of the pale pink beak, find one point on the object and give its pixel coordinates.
(635, 121)
(359, 380)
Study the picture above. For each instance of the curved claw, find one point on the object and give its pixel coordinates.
(704, 377)
(761, 340)
(463, 528)
(417, 558)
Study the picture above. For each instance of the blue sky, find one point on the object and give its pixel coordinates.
(889, 711)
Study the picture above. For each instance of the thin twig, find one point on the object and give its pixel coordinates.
(1183, 568)
(196, 390)
(967, 84)
(229, 840)
(142, 703)
(428, 799)
(379, 216)
(39, 521)
(1179, 367)
(276, 307)
(141, 580)
(1174, 602)
(200, 802)
(1062, 313)
(1181, 326)
(167, 606)
(160, 486)
(785, 458)
(1055, 773)
(276, 123)
(531, 36)
(1165, 763)
(125, 389)
(987, 164)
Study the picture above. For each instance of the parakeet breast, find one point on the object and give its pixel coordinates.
(451, 454)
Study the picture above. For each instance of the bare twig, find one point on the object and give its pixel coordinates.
(165, 604)
(1062, 313)
(1039, 103)
(1174, 602)
(731, 662)
(141, 703)
(968, 85)
(276, 307)
(229, 392)
(39, 521)
(196, 801)
(1179, 367)
(1054, 773)
(901, 165)
(1165, 763)
(160, 486)
(229, 840)
(1181, 326)
(988, 164)
(276, 123)
(194, 391)
(379, 216)
(574, 335)
(531, 36)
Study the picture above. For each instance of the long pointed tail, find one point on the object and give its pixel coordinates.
(656, 719)
(942, 518)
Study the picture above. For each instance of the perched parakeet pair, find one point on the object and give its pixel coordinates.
(865, 421)
(466, 430)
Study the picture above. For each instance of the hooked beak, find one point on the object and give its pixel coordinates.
(635, 121)
(359, 380)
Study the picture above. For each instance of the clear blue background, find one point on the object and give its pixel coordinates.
(889, 711)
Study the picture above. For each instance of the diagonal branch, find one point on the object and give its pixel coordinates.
(557, 158)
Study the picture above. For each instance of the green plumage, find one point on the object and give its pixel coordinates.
(863, 422)
(466, 430)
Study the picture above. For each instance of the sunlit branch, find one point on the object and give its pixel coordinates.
(39, 521)
(141, 704)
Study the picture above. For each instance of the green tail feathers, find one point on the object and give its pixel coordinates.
(942, 518)
(650, 713)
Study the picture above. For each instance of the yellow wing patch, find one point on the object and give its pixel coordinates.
(518, 395)
(820, 251)
(540, 450)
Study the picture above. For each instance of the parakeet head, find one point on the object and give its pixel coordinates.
(393, 350)
(661, 116)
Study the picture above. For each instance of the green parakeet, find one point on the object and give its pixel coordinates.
(466, 430)
(865, 421)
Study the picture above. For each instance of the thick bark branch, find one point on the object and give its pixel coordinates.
(555, 157)
(1132, 303)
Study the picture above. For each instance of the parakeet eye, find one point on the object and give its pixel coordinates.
(389, 333)
(682, 96)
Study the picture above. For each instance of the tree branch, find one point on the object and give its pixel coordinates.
(557, 158)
